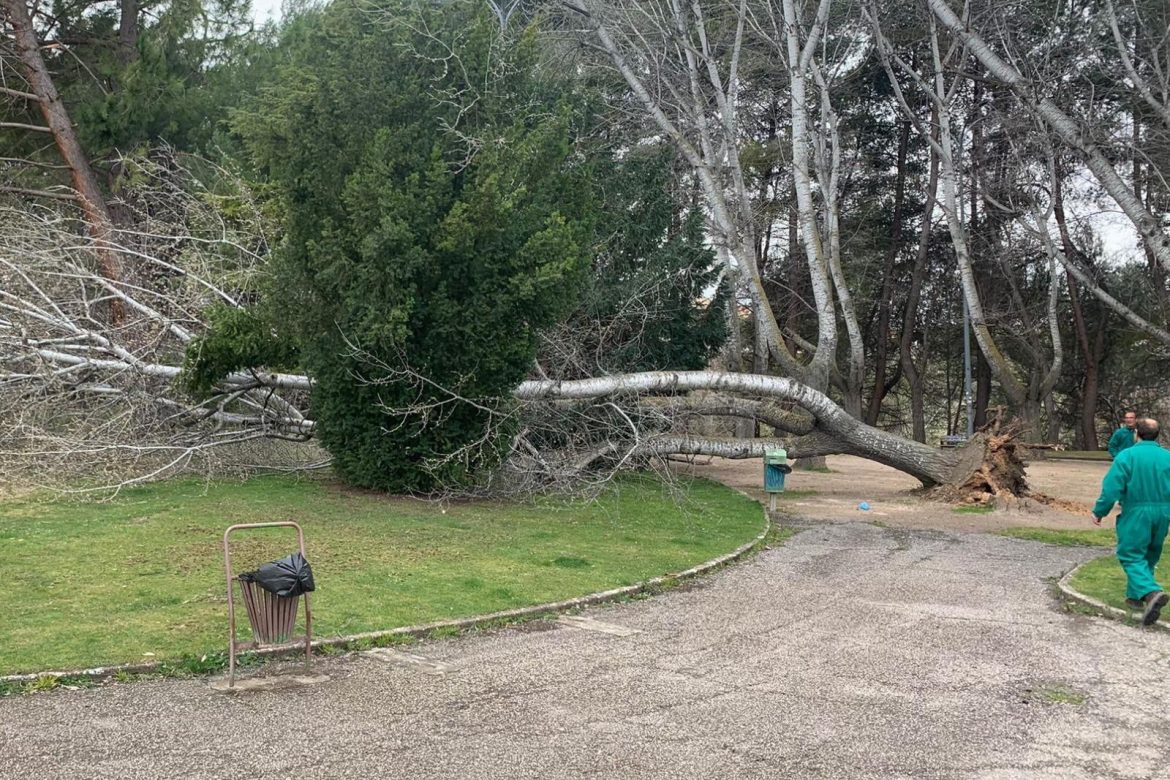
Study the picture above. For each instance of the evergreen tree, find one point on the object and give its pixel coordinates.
(655, 299)
(433, 225)
(132, 74)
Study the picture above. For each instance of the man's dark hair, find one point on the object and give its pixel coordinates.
(1147, 429)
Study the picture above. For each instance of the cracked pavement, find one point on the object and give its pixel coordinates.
(852, 651)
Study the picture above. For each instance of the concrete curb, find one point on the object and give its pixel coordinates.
(462, 624)
(1105, 610)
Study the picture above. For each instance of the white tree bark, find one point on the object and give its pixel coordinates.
(1024, 397)
(1001, 368)
(1160, 105)
(664, 54)
(928, 464)
(828, 143)
(78, 391)
(799, 60)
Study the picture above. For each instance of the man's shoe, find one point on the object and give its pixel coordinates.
(1135, 603)
(1154, 603)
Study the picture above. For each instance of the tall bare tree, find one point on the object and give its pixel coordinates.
(42, 92)
(1068, 129)
(1026, 397)
(687, 84)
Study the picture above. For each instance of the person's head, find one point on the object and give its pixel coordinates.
(1130, 419)
(1147, 429)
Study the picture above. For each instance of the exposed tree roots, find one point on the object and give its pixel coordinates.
(995, 463)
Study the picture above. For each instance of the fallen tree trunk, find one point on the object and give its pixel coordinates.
(929, 465)
(826, 429)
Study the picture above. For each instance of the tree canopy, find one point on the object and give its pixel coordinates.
(435, 222)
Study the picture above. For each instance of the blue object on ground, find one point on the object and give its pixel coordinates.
(863, 506)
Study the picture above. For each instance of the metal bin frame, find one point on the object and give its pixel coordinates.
(272, 617)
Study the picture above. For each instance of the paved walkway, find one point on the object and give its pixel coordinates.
(853, 651)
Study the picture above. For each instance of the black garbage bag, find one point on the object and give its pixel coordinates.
(287, 577)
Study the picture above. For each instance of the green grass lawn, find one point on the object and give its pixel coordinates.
(1081, 537)
(140, 578)
(973, 509)
(793, 494)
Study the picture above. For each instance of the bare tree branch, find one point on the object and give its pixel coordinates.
(69, 196)
(23, 126)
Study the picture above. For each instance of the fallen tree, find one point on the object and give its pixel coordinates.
(833, 431)
(73, 385)
(80, 394)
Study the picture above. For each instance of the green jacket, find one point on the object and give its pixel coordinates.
(1139, 475)
(1122, 438)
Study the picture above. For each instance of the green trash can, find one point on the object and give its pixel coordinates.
(775, 467)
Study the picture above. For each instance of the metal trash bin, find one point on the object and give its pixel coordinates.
(272, 617)
(775, 468)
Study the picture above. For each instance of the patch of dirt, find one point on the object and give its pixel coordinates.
(1063, 492)
(14, 492)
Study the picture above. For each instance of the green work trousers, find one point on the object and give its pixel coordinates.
(1141, 530)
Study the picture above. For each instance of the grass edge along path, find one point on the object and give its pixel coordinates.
(1098, 584)
(707, 510)
(1102, 577)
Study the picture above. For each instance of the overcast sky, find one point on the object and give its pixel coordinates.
(263, 10)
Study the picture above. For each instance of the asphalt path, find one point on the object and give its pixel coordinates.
(851, 651)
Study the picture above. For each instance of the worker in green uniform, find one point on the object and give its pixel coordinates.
(1139, 480)
(1123, 438)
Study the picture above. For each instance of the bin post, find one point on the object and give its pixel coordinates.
(267, 616)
